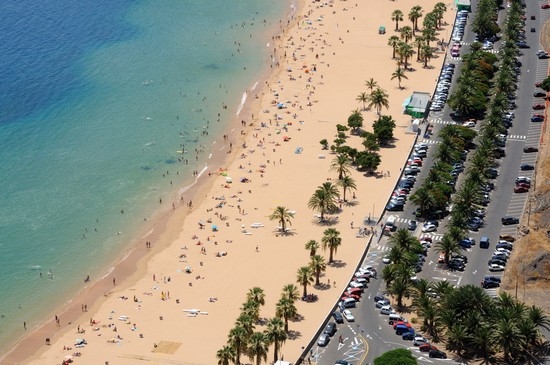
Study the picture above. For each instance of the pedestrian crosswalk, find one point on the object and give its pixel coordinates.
(429, 141)
(516, 137)
(441, 121)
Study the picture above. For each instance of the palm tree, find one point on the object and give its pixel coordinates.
(258, 346)
(424, 200)
(393, 42)
(458, 339)
(285, 309)
(324, 199)
(341, 164)
(225, 355)
(276, 335)
(312, 246)
(427, 53)
(290, 291)
(256, 295)
(447, 246)
(363, 97)
(250, 311)
(317, 265)
(371, 84)
(283, 215)
(439, 9)
(304, 277)
(400, 288)
(238, 338)
(508, 337)
(245, 320)
(397, 16)
(347, 182)
(414, 15)
(406, 33)
(389, 274)
(404, 239)
(331, 240)
(405, 51)
(419, 41)
(399, 74)
(379, 99)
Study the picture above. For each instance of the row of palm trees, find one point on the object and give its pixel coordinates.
(468, 320)
(243, 339)
(376, 97)
(400, 44)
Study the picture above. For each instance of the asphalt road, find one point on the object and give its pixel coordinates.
(370, 335)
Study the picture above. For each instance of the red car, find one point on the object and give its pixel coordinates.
(538, 107)
(427, 347)
(401, 322)
(426, 238)
(349, 295)
(523, 185)
(520, 189)
(355, 291)
(545, 6)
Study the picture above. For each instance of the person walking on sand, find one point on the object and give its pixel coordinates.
(114, 281)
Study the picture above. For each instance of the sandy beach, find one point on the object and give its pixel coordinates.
(275, 160)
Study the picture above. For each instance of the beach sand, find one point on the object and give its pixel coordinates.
(330, 53)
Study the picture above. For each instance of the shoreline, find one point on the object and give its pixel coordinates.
(168, 228)
(132, 259)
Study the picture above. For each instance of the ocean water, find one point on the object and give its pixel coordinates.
(96, 99)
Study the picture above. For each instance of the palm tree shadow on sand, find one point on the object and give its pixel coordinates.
(294, 335)
(288, 232)
(327, 222)
(338, 264)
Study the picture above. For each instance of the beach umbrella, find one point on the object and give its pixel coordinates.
(214, 227)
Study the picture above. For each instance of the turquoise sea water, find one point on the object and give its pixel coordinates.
(96, 99)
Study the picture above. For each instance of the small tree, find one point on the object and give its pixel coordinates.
(355, 121)
(383, 129)
(324, 143)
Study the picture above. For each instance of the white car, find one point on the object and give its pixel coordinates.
(429, 227)
(495, 267)
(382, 303)
(355, 284)
(419, 340)
(386, 259)
(502, 250)
(398, 200)
(469, 124)
(348, 316)
(386, 310)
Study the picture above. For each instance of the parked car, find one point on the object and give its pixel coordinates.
(538, 106)
(429, 227)
(323, 340)
(337, 317)
(537, 118)
(438, 354)
(427, 347)
(330, 329)
(520, 189)
(489, 284)
(342, 362)
(412, 225)
(530, 149)
(408, 335)
(496, 267)
(348, 315)
(509, 220)
(386, 310)
(419, 340)
(539, 94)
(526, 167)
